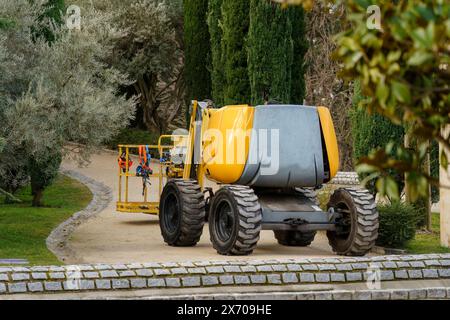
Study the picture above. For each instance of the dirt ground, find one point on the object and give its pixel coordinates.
(114, 237)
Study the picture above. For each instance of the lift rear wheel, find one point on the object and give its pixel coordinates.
(181, 213)
(235, 220)
(357, 225)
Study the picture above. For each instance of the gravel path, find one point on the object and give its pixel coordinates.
(112, 237)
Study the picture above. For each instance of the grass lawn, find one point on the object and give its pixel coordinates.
(428, 243)
(23, 229)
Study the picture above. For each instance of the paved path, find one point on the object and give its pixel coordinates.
(113, 237)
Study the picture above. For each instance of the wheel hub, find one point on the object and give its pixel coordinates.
(172, 213)
(225, 221)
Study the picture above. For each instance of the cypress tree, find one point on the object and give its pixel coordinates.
(235, 22)
(270, 52)
(217, 57)
(300, 44)
(197, 50)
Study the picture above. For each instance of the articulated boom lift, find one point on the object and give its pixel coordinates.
(267, 162)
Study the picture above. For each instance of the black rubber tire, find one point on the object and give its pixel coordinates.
(297, 238)
(181, 213)
(244, 220)
(363, 217)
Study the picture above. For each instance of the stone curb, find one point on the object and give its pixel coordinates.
(435, 293)
(57, 241)
(56, 279)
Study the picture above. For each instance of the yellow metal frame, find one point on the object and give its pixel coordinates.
(149, 207)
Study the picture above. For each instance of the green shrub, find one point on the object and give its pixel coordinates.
(398, 223)
(133, 136)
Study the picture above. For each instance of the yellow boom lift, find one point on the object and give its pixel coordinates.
(267, 161)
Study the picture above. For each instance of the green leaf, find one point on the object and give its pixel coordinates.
(444, 159)
(419, 57)
(426, 13)
(365, 168)
(391, 188)
(381, 186)
(394, 55)
(382, 93)
(401, 92)
(421, 39)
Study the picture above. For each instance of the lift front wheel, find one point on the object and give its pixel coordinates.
(356, 224)
(235, 220)
(181, 213)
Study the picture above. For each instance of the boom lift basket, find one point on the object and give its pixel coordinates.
(160, 165)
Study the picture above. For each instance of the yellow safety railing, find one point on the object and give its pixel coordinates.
(149, 207)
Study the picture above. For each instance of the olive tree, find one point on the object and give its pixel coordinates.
(55, 93)
(150, 50)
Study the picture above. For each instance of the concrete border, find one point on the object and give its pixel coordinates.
(260, 273)
(57, 241)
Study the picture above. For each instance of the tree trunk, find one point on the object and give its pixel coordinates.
(146, 88)
(407, 146)
(37, 197)
(37, 193)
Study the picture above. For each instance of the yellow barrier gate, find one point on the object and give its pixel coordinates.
(165, 170)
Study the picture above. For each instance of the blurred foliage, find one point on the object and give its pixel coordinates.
(404, 69)
(398, 222)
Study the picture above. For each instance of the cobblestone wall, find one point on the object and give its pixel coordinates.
(54, 279)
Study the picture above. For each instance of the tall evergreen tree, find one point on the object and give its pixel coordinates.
(270, 52)
(300, 44)
(197, 49)
(235, 22)
(217, 57)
